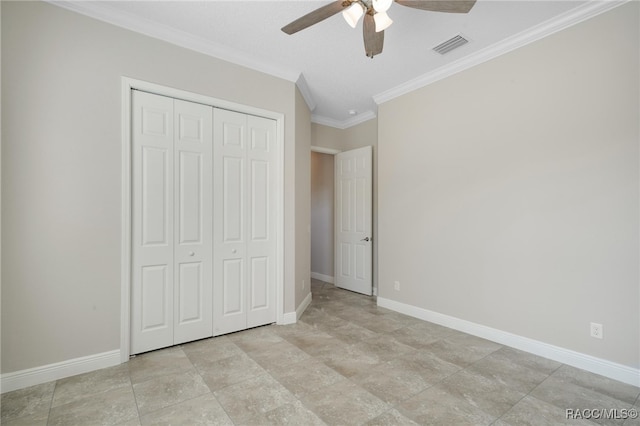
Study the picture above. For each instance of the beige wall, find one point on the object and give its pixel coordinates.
(509, 193)
(61, 171)
(363, 134)
(322, 201)
(303, 199)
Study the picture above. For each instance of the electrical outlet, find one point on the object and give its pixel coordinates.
(596, 330)
(396, 285)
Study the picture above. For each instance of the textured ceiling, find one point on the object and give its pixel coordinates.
(330, 55)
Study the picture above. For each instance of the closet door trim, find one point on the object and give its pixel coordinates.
(127, 86)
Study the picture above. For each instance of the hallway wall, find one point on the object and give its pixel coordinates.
(322, 214)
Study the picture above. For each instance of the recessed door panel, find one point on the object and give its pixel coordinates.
(260, 139)
(190, 199)
(260, 214)
(155, 298)
(259, 283)
(233, 286)
(190, 293)
(345, 254)
(344, 192)
(359, 260)
(360, 205)
(233, 202)
(233, 133)
(155, 198)
(191, 127)
(155, 121)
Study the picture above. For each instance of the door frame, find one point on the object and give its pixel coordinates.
(129, 84)
(374, 259)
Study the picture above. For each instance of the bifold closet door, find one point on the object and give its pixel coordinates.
(245, 227)
(171, 222)
(193, 283)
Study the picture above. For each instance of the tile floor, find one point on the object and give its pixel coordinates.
(346, 362)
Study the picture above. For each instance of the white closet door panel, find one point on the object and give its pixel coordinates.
(233, 199)
(152, 222)
(261, 242)
(229, 234)
(193, 283)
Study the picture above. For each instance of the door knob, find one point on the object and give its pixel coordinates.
(191, 253)
(365, 239)
(233, 250)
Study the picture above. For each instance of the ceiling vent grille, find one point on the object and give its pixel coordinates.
(449, 45)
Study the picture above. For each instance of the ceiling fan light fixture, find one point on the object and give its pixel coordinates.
(382, 21)
(353, 13)
(381, 6)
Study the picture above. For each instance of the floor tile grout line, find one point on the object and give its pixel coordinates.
(211, 392)
(51, 402)
(135, 398)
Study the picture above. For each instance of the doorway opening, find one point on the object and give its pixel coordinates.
(322, 214)
(342, 211)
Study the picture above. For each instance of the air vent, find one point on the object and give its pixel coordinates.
(449, 45)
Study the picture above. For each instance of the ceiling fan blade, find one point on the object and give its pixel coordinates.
(314, 17)
(450, 6)
(373, 41)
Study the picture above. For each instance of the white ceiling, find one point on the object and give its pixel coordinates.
(336, 74)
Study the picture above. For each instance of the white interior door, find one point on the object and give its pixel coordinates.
(245, 229)
(152, 223)
(193, 283)
(230, 199)
(353, 245)
(171, 222)
(261, 223)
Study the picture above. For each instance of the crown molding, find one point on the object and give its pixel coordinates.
(171, 35)
(345, 124)
(537, 32)
(302, 85)
(330, 151)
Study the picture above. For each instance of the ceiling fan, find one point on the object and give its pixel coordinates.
(376, 19)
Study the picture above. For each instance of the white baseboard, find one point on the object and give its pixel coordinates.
(322, 277)
(293, 317)
(47, 373)
(590, 363)
(303, 306)
(288, 318)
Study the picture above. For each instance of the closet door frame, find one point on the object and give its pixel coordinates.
(129, 84)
